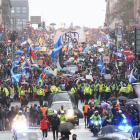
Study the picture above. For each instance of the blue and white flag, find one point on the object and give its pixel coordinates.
(108, 37)
(86, 49)
(39, 79)
(15, 77)
(100, 38)
(57, 47)
(100, 64)
(131, 77)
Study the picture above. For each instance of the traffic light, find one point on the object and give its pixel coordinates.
(39, 25)
(13, 36)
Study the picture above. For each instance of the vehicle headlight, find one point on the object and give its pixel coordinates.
(96, 123)
(124, 121)
(70, 114)
(19, 125)
(91, 121)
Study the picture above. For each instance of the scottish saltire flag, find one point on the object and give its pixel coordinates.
(100, 38)
(15, 77)
(57, 47)
(119, 54)
(85, 49)
(100, 64)
(108, 37)
(131, 77)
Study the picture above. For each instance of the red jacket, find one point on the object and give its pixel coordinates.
(44, 124)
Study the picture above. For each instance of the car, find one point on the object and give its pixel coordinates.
(121, 135)
(29, 133)
(69, 108)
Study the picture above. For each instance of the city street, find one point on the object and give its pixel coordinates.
(80, 131)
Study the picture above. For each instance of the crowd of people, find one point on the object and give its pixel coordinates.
(97, 88)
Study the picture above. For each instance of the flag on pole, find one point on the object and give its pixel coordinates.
(57, 47)
(98, 100)
(131, 77)
(33, 57)
(100, 64)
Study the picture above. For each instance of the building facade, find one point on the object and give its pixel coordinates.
(5, 13)
(19, 14)
(137, 11)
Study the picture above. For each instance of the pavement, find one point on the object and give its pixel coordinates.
(80, 131)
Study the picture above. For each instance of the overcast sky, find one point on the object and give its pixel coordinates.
(89, 13)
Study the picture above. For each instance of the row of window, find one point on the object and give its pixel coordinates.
(19, 10)
(20, 21)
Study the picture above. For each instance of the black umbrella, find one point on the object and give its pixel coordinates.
(65, 127)
(109, 129)
(123, 98)
(112, 98)
(136, 129)
(130, 103)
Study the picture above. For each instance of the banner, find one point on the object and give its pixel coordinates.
(106, 59)
(107, 76)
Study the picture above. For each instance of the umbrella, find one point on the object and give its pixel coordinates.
(65, 127)
(19, 51)
(109, 129)
(104, 105)
(130, 103)
(131, 57)
(136, 129)
(112, 98)
(38, 48)
(123, 98)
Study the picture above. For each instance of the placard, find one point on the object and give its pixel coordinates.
(89, 77)
(106, 59)
(99, 43)
(107, 76)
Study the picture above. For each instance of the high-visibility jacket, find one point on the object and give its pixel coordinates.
(34, 89)
(95, 117)
(19, 118)
(123, 116)
(58, 89)
(29, 90)
(53, 88)
(130, 87)
(120, 63)
(108, 89)
(101, 88)
(73, 90)
(96, 86)
(63, 118)
(87, 90)
(12, 90)
(6, 91)
(19, 88)
(44, 109)
(123, 89)
(49, 112)
(0, 88)
(86, 108)
(78, 86)
(113, 87)
(41, 92)
(21, 93)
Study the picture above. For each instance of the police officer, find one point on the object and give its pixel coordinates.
(20, 116)
(53, 88)
(22, 91)
(49, 114)
(5, 89)
(41, 94)
(62, 109)
(19, 89)
(95, 116)
(73, 89)
(87, 92)
(34, 91)
(30, 91)
(63, 118)
(107, 91)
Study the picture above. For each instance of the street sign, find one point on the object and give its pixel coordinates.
(28, 23)
(35, 19)
(127, 51)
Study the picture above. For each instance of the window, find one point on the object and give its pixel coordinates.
(17, 9)
(24, 21)
(13, 10)
(24, 9)
(18, 21)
